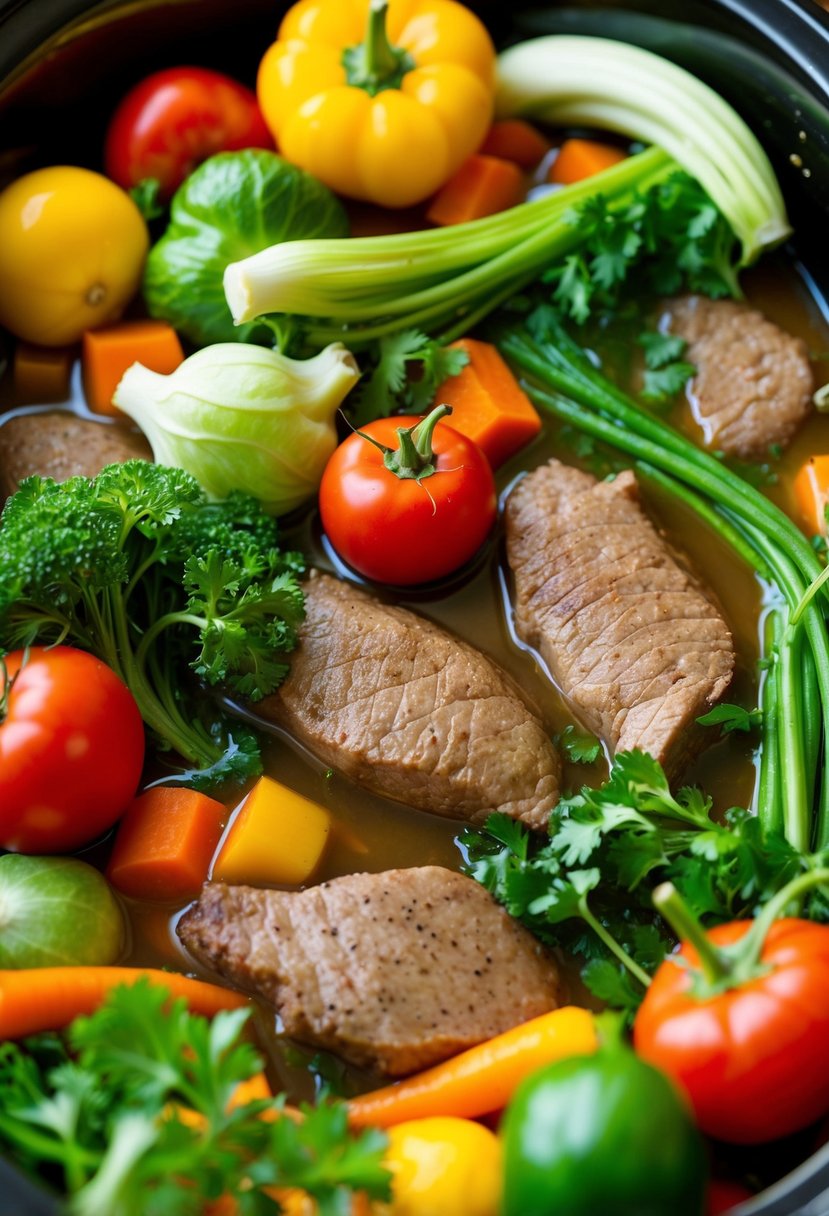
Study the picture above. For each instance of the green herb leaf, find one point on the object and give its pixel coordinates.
(578, 746)
(406, 369)
(732, 717)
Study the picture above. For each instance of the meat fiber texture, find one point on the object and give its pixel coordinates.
(626, 634)
(411, 712)
(392, 971)
(753, 386)
(60, 445)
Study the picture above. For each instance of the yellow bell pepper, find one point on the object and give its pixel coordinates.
(443, 1167)
(380, 99)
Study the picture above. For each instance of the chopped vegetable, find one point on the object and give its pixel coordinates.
(482, 1079)
(577, 159)
(444, 1165)
(165, 844)
(488, 405)
(666, 372)
(412, 513)
(41, 373)
(239, 417)
(107, 353)
(171, 121)
(570, 80)
(56, 911)
(732, 717)
(232, 206)
(71, 739)
(389, 388)
(578, 746)
(138, 1116)
(811, 489)
(415, 103)
(601, 1133)
(277, 836)
(483, 185)
(49, 998)
(72, 249)
(516, 140)
(750, 1078)
(168, 582)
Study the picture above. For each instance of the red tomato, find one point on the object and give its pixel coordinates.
(172, 121)
(754, 1059)
(71, 750)
(723, 1195)
(400, 530)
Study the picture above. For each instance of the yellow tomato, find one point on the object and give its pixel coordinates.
(72, 249)
(443, 1167)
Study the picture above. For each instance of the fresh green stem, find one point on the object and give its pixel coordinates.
(374, 64)
(769, 785)
(753, 942)
(414, 459)
(796, 808)
(810, 593)
(673, 908)
(611, 943)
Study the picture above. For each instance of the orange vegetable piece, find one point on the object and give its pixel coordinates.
(49, 998)
(811, 490)
(41, 373)
(581, 158)
(482, 186)
(107, 353)
(515, 140)
(482, 1079)
(488, 404)
(276, 836)
(165, 844)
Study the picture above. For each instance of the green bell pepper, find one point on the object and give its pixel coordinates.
(601, 1135)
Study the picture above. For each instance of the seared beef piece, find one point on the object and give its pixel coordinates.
(392, 971)
(61, 445)
(753, 386)
(625, 633)
(409, 711)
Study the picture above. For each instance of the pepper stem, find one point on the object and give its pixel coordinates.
(414, 458)
(755, 939)
(670, 904)
(374, 64)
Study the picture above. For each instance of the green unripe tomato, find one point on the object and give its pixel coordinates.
(604, 1133)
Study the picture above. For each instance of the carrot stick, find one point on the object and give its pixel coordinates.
(515, 140)
(811, 489)
(165, 843)
(488, 404)
(49, 998)
(107, 353)
(482, 1079)
(581, 158)
(482, 186)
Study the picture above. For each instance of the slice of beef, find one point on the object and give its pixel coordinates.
(626, 634)
(62, 445)
(393, 971)
(753, 385)
(410, 711)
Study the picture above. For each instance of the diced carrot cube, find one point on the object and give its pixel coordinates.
(107, 353)
(811, 489)
(482, 186)
(41, 373)
(276, 836)
(165, 843)
(515, 140)
(581, 158)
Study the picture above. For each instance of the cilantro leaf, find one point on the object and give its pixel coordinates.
(406, 369)
(662, 386)
(732, 717)
(579, 747)
(661, 349)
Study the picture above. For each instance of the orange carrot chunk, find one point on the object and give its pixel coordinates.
(482, 1079)
(515, 140)
(811, 489)
(49, 998)
(165, 844)
(581, 158)
(41, 373)
(488, 404)
(482, 186)
(107, 353)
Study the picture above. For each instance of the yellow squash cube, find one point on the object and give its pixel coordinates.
(276, 836)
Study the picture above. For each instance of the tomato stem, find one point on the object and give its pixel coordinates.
(670, 904)
(415, 458)
(374, 64)
(753, 942)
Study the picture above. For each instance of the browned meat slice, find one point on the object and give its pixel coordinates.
(61, 445)
(393, 971)
(753, 385)
(410, 711)
(625, 633)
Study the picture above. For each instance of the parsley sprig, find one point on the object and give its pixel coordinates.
(405, 369)
(138, 567)
(133, 1117)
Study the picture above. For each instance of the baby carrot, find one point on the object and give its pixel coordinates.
(483, 1078)
(49, 998)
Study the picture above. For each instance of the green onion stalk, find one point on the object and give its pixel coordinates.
(797, 687)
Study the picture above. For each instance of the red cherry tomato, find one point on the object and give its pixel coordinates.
(172, 121)
(754, 1059)
(403, 530)
(71, 750)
